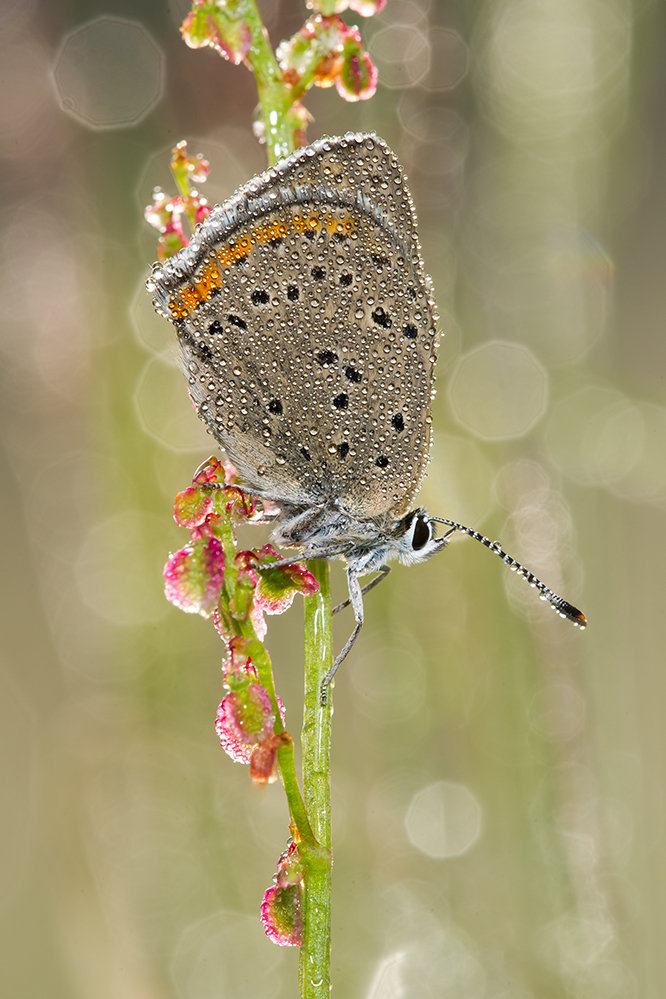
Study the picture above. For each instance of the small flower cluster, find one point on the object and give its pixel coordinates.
(324, 52)
(245, 722)
(168, 214)
(209, 577)
(282, 906)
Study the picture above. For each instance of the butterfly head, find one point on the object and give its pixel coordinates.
(414, 538)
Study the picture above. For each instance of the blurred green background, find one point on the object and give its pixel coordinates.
(498, 776)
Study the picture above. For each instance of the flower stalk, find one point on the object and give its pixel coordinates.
(314, 968)
(209, 575)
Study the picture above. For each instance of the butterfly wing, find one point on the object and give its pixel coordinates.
(307, 329)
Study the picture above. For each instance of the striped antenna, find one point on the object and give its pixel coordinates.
(563, 607)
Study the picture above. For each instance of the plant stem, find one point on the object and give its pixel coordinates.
(274, 95)
(275, 102)
(314, 972)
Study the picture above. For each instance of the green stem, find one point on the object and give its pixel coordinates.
(262, 660)
(275, 97)
(285, 754)
(314, 973)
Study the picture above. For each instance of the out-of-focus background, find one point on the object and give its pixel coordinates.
(498, 775)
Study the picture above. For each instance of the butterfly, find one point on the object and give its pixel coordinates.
(307, 330)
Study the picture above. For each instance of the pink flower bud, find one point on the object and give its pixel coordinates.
(282, 915)
(159, 213)
(234, 500)
(194, 576)
(290, 869)
(211, 471)
(192, 507)
(320, 40)
(170, 243)
(263, 762)
(357, 79)
(238, 664)
(196, 168)
(245, 720)
(221, 28)
(276, 588)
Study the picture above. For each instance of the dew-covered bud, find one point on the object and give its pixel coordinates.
(195, 168)
(282, 905)
(277, 587)
(234, 500)
(193, 576)
(221, 28)
(160, 212)
(245, 720)
(282, 915)
(319, 43)
(211, 472)
(290, 868)
(263, 762)
(192, 507)
(357, 79)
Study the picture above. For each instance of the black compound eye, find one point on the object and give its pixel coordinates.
(421, 535)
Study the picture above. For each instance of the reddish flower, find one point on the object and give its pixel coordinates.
(282, 915)
(357, 79)
(220, 27)
(212, 471)
(244, 722)
(234, 500)
(159, 213)
(290, 870)
(282, 905)
(319, 43)
(263, 762)
(277, 587)
(238, 663)
(166, 215)
(194, 576)
(274, 589)
(192, 507)
(190, 168)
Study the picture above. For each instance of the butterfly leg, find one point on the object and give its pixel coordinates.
(383, 573)
(356, 600)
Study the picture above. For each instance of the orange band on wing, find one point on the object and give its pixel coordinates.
(209, 278)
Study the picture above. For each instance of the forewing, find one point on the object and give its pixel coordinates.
(307, 329)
